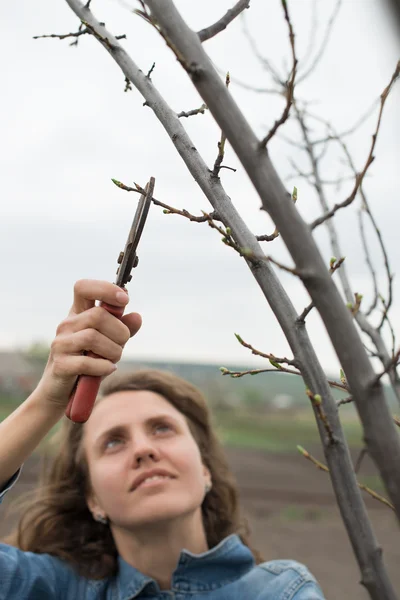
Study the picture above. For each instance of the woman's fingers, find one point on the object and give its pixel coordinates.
(87, 291)
(87, 340)
(133, 322)
(97, 318)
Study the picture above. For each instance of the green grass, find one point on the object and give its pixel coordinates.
(278, 433)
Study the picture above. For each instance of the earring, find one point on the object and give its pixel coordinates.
(100, 519)
(208, 487)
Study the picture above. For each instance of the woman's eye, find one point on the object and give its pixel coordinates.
(110, 441)
(163, 426)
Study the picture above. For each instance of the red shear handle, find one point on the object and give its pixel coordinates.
(84, 394)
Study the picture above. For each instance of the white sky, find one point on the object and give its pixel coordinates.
(67, 127)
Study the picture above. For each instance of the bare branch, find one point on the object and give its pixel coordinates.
(275, 234)
(324, 43)
(313, 33)
(221, 143)
(383, 440)
(153, 66)
(229, 16)
(368, 261)
(359, 460)
(361, 319)
(373, 571)
(316, 401)
(366, 208)
(321, 466)
(346, 132)
(393, 363)
(167, 209)
(195, 111)
(347, 400)
(63, 36)
(266, 64)
(331, 383)
(289, 85)
(271, 357)
(236, 374)
(370, 158)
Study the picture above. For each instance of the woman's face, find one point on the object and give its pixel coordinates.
(129, 435)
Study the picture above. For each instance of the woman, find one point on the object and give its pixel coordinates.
(139, 501)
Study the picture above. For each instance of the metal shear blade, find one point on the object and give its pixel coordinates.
(128, 259)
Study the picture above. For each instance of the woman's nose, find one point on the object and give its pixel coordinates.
(144, 450)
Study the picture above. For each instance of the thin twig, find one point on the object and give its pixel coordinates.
(365, 206)
(370, 158)
(392, 364)
(266, 64)
(316, 401)
(63, 36)
(348, 131)
(221, 143)
(153, 66)
(359, 460)
(275, 234)
(223, 22)
(289, 84)
(347, 400)
(333, 384)
(324, 43)
(321, 466)
(195, 111)
(271, 357)
(333, 266)
(167, 209)
(368, 260)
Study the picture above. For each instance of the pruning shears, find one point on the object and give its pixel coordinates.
(85, 391)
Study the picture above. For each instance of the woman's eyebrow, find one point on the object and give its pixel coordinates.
(123, 427)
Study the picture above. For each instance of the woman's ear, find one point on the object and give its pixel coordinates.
(207, 476)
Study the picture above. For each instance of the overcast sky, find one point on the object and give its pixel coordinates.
(67, 127)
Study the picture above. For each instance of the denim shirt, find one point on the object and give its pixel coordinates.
(226, 572)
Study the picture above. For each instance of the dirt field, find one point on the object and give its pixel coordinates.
(292, 513)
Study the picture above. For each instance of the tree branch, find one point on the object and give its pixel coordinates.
(195, 111)
(360, 485)
(289, 85)
(381, 437)
(338, 457)
(370, 158)
(229, 16)
(324, 43)
(360, 317)
(168, 210)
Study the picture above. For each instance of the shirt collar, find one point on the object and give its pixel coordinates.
(227, 561)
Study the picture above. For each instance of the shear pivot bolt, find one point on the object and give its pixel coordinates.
(120, 258)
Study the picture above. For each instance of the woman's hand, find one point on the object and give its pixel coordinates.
(87, 327)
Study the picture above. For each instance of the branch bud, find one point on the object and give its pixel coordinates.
(294, 194)
(228, 231)
(317, 399)
(332, 261)
(239, 339)
(223, 370)
(302, 451)
(275, 364)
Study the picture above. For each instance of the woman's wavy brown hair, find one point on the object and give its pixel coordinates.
(57, 521)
